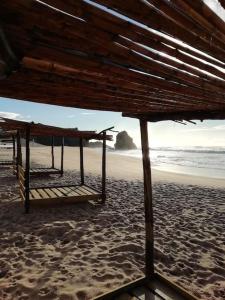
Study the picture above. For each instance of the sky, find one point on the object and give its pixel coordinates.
(168, 134)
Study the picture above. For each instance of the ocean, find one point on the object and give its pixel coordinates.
(197, 161)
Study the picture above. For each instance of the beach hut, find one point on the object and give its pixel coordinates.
(151, 60)
(7, 140)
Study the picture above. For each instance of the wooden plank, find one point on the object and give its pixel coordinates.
(90, 189)
(57, 192)
(22, 187)
(43, 193)
(50, 193)
(143, 293)
(22, 195)
(126, 288)
(72, 192)
(86, 192)
(36, 195)
(63, 191)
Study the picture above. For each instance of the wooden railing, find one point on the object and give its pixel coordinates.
(21, 179)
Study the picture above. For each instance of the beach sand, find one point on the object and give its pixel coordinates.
(80, 251)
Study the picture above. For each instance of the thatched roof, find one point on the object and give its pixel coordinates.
(164, 59)
(37, 129)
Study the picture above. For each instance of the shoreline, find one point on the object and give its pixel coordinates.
(118, 166)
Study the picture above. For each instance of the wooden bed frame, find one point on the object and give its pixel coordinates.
(60, 194)
(38, 171)
(156, 288)
(11, 161)
(44, 195)
(6, 162)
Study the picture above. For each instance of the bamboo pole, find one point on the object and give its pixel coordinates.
(81, 161)
(19, 153)
(104, 168)
(149, 238)
(27, 172)
(62, 156)
(52, 152)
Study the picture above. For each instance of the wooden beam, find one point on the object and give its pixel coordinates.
(149, 238)
(179, 116)
(62, 156)
(27, 172)
(104, 168)
(81, 161)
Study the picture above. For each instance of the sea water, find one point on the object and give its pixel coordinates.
(198, 161)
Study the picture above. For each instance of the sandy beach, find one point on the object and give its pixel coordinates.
(80, 251)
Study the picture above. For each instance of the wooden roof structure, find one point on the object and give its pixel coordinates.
(37, 129)
(161, 59)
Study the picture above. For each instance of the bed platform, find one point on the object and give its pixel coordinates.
(63, 194)
(53, 195)
(44, 171)
(157, 288)
(6, 162)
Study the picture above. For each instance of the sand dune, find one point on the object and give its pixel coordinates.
(80, 251)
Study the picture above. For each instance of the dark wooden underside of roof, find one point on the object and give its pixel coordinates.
(87, 57)
(37, 129)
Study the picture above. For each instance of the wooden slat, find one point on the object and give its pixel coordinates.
(22, 195)
(50, 193)
(36, 195)
(57, 192)
(86, 192)
(92, 191)
(142, 293)
(43, 193)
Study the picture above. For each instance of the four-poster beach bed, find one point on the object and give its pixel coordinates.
(151, 60)
(9, 138)
(58, 194)
(17, 158)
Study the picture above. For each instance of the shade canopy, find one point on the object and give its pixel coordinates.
(37, 129)
(162, 59)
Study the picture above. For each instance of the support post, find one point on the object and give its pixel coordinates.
(19, 154)
(27, 172)
(81, 161)
(14, 147)
(148, 205)
(53, 158)
(62, 156)
(104, 168)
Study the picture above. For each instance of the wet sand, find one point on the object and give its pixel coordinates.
(80, 251)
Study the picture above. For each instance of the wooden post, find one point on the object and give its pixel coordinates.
(104, 168)
(149, 237)
(27, 172)
(19, 153)
(62, 156)
(53, 158)
(14, 147)
(81, 161)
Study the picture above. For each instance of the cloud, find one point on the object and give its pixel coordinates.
(10, 115)
(214, 128)
(14, 116)
(87, 113)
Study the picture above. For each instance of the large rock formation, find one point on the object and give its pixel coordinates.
(124, 142)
